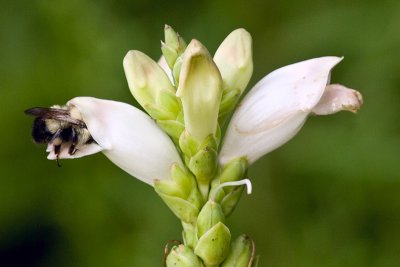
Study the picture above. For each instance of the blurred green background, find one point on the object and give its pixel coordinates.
(330, 197)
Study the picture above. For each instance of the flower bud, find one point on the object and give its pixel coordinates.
(240, 254)
(182, 256)
(210, 215)
(180, 194)
(147, 81)
(200, 89)
(204, 164)
(173, 46)
(233, 171)
(234, 59)
(213, 246)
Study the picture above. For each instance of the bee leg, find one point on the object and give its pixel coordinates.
(57, 149)
(74, 139)
(72, 149)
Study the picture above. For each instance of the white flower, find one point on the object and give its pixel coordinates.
(278, 105)
(127, 136)
(200, 89)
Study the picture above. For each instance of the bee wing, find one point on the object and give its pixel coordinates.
(55, 114)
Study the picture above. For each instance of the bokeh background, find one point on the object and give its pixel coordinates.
(330, 197)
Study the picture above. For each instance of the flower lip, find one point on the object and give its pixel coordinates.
(277, 106)
(127, 136)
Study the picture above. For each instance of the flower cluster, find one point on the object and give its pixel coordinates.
(177, 147)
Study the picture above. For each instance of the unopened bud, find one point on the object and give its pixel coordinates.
(241, 253)
(210, 215)
(214, 245)
(182, 256)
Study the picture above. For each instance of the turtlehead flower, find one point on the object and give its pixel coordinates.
(147, 81)
(127, 136)
(200, 89)
(234, 60)
(278, 105)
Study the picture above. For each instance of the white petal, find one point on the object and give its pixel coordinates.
(129, 138)
(164, 65)
(337, 98)
(81, 151)
(276, 108)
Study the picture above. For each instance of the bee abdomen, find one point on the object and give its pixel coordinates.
(40, 132)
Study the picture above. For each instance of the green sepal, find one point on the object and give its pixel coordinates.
(176, 70)
(170, 188)
(231, 199)
(172, 127)
(182, 209)
(170, 102)
(204, 164)
(210, 141)
(183, 179)
(214, 245)
(240, 253)
(189, 235)
(210, 215)
(159, 113)
(234, 170)
(169, 54)
(182, 256)
(229, 100)
(188, 145)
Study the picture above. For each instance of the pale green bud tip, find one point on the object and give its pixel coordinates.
(200, 88)
(145, 77)
(171, 37)
(182, 256)
(234, 59)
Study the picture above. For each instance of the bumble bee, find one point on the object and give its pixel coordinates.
(59, 125)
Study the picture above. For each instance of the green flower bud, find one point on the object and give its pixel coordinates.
(235, 170)
(210, 215)
(200, 89)
(188, 144)
(213, 246)
(173, 46)
(234, 59)
(182, 256)
(169, 54)
(240, 254)
(147, 80)
(204, 164)
(231, 199)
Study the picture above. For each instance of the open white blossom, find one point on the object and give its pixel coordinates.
(278, 105)
(127, 136)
